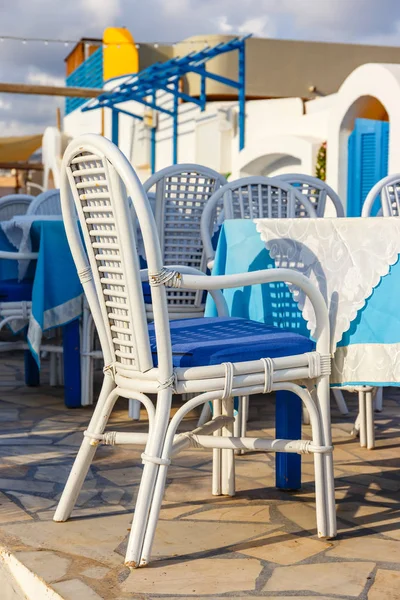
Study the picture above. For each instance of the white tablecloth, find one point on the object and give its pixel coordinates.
(345, 257)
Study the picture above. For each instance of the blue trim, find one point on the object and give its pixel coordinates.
(242, 96)
(166, 77)
(153, 143)
(175, 125)
(114, 126)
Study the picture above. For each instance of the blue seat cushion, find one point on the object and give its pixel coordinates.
(12, 290)
(211, 341)
(146, 292)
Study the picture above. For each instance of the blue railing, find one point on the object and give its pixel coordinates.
(88, 75)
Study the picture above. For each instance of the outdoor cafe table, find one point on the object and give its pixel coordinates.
(57, 294)
(354, 262)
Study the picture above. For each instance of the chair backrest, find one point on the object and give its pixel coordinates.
(388, 189)
(96, 181)
(46, 203)
(316, 190)
(14, 205)
(181, 193)
(253, 198)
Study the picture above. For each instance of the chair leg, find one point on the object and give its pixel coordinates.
(379, 399)
(87, 360)
(151, 459)
(340, 401)
(205, 414)
(134, 410)
(237, 425)
(228, 456)
(369, 418)
(86, 452)
(217, 453)
(362, 418)
(323, 394)
(53, 369)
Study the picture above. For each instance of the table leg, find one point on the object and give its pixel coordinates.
(72, 365)
(32, 375)
(288, 426)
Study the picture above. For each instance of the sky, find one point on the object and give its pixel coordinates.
(351, 21)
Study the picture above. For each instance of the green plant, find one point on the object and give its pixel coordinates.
(320, 169)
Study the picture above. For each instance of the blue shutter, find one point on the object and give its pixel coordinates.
(368, 153)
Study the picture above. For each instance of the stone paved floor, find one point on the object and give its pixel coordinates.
(261, 543)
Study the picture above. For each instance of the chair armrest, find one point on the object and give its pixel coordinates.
(213, 282)
(216, 294)
(4, 254)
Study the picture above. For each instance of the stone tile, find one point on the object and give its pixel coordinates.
(75, 589)
(327, 578)
(202, 576)
(173, 510)
(300, 597)
(282, 548)
(52, 427)
(300, 514)
(189, 537)
(112, 495)
(58, 474)
(95, 572)
(375, 549)
(32, 503)
(9, 511)
(9, 414)
(242, 514)
(122, 477)
(47, 565)
(23, 440)
(21, 485)
(89, 512)
(93, 538)
(35, 454)
(74, 440)
(386, 586)
(13, 471)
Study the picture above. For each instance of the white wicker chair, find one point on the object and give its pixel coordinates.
(256, 197)
(181, 193)
(385, 192)
(252, 198)
(141, 359)
(46, 203)
(177, 195)
(13, 205)
(316, 190)
(388, 189)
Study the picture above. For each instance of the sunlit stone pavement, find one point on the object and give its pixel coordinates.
(262, 543)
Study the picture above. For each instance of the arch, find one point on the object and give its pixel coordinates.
(276, 154)
(371, 91)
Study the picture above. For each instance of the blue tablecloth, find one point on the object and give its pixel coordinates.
(57, 293)
(376, 329)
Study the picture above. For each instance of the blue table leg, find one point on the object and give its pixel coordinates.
(72, 365)
(32, 375)
(288, 418)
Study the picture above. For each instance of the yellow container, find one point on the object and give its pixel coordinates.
(120, 55)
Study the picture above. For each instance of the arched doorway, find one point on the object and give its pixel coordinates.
(371, 92)
(368, 150)
(275, 155)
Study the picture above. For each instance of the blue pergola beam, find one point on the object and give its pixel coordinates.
(166, 77)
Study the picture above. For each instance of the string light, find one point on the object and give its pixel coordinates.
(67, 42)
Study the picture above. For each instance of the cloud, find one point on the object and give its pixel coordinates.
(366, 21)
